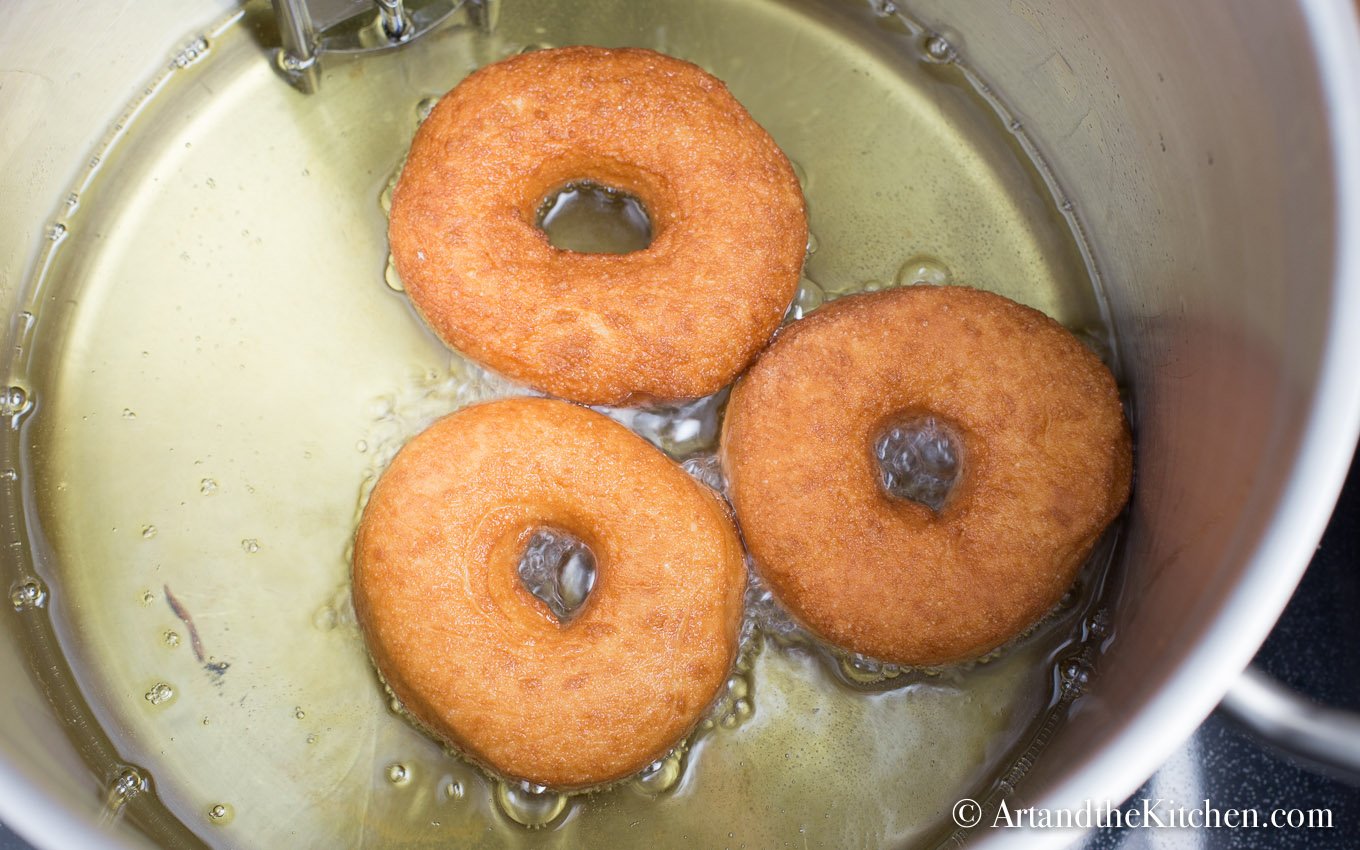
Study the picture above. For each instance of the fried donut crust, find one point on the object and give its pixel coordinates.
(479, 661)
(678, 319)
(1045, 466)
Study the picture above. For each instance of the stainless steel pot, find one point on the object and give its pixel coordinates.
(1213, 153)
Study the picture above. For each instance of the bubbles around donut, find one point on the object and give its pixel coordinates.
(678, 319)
(484, 664)
(1035, 428)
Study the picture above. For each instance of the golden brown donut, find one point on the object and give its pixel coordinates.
(482, 663)
(679, 319)
(1045, 465)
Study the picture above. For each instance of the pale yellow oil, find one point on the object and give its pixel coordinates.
(217, 370)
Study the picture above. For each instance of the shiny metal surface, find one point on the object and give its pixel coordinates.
(396, 22)
(1327, 737)
(297, 57)
(310, 29)
(1212, 151)
(1228, 233)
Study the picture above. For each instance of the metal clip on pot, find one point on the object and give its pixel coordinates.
(356, 27)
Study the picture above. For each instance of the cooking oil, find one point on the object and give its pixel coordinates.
(218, 362)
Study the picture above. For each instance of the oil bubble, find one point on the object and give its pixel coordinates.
(250, 545)
(938, 49)
(221, 814)
(661, 775)
(1098, 625)
(391, 277)
(207, 486)
(27, 595)
(860, 670)
(160, 694)
(15, 402)
(529, 805)
(170, 638)
(148, 532)
(923, 269)
(559, 570)
(727, 710)
(453, 790)
(193, 52)
(918, 460)
(1076, 675)
(398, 774)
(127, 784)
(738, 688)
(809, 297)
(679, 429)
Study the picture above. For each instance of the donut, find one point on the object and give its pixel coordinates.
(678, 319)
(1044, 465)
(483, 664)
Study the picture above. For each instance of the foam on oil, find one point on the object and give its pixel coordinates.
(222, 374)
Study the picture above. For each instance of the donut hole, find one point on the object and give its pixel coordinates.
(558, 568)
(591, 218)
(918, 460)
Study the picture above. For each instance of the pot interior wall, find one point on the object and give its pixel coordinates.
(1193, 141)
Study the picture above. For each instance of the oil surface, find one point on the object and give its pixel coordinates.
(220, 373)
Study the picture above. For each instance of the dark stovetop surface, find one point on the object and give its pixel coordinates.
(1315, 648)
